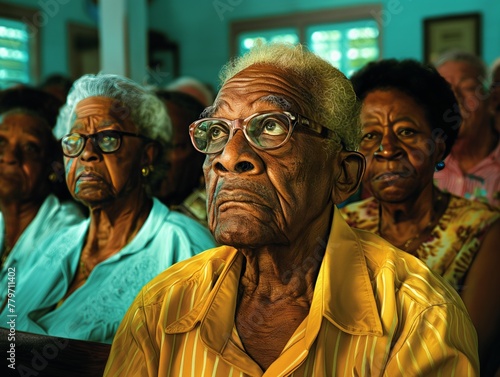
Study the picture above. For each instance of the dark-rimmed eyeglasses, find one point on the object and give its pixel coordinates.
(263, 130)
(108, 141)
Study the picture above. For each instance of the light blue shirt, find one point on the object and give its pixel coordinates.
(51, 216)
(94, 310)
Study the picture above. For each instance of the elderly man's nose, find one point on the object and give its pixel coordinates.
(237, 156)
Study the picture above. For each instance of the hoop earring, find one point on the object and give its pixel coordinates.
(439, 166)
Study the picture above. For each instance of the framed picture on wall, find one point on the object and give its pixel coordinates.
(458, 32)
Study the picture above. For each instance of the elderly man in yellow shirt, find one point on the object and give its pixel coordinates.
(296, 291)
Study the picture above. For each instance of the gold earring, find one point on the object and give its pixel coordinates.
(146, 170)
(52, 177)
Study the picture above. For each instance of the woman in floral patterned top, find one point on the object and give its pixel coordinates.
(410, 119)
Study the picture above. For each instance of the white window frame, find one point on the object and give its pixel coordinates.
(301, 21)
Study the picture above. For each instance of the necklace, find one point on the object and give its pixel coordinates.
(409, 241)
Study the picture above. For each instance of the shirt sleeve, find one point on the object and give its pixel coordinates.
(133, 352)
(441, 341)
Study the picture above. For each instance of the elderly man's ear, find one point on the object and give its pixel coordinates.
(349, 174)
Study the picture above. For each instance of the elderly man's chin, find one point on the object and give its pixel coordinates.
(242, 229)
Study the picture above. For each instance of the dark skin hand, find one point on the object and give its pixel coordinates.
(275, 206)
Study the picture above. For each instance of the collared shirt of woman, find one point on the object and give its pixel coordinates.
(405, 139)
(113, 134)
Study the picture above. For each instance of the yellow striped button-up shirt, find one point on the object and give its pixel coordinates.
(376, 311)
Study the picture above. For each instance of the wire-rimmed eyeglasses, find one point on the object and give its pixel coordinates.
(263, 130)
(107, 141)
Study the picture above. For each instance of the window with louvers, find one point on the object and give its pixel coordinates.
(14, 53)
(348, 37)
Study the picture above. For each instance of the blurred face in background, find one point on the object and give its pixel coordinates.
(471, 95)
(184, 162)
(24, 165)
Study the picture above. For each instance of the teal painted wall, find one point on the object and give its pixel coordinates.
(53, 32)
(203, 32)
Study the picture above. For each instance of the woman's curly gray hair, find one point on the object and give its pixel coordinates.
(146, 111)
(329, 91)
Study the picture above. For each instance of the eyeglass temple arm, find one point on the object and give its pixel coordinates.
(319, 129)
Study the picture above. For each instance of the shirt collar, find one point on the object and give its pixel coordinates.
(347, 294)
(343, 293)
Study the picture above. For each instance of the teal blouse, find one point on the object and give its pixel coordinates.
(52, 215)
(94, 311)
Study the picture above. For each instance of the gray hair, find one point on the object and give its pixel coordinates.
(495, 66)
(144, 108)
(466, 57)
(330, 93)
(146, 111)
(188, 84)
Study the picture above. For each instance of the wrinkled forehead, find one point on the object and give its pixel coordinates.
(100, 106)
(265, 83)
(102, 112)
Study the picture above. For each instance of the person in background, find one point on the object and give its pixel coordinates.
(295, 290)
(194, 87)
(113, 134)
(495, 94)
(404, 140)
(57, 84)
(182, 187)
(473, 165)
(34, 199)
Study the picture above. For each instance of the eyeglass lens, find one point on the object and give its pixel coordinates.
(107, 141)
(263, 131)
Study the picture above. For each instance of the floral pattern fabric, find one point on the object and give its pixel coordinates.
(453, 243)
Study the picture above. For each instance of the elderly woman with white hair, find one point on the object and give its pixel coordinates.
(85, 276)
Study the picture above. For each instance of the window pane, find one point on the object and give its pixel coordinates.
(347, 45)
(247, 40)
(14, 53)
